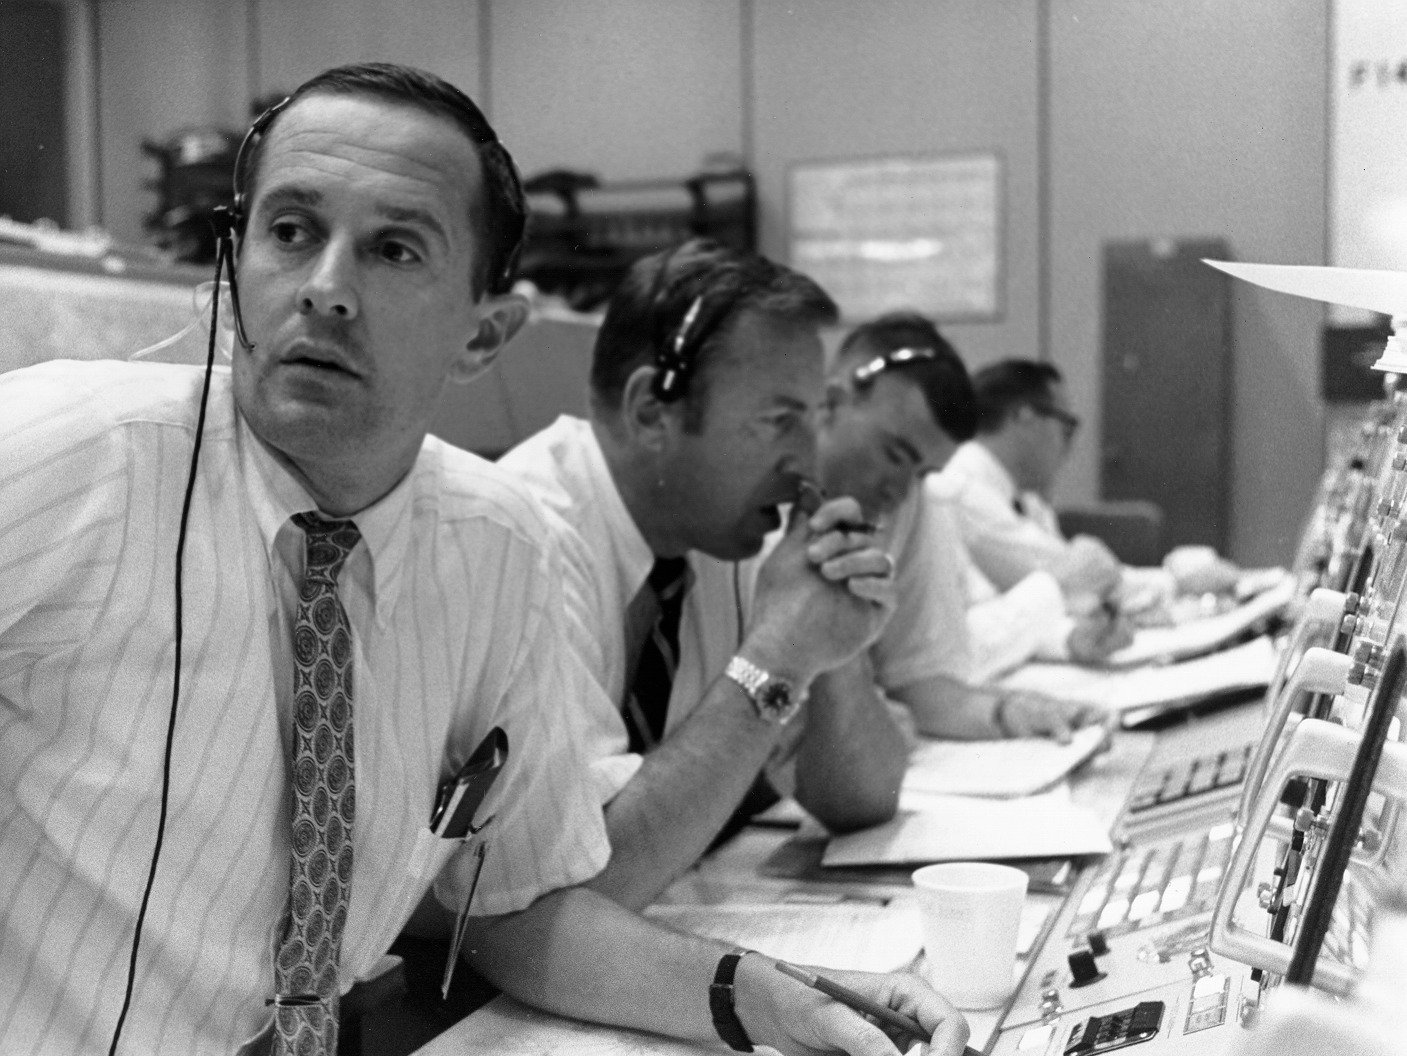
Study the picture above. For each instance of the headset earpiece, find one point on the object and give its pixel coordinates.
(863, 376)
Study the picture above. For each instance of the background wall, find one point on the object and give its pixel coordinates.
(1196, 118)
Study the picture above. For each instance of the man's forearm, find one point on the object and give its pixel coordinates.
(944, 706)
(576, 953)
(852, 759)
(683, 793)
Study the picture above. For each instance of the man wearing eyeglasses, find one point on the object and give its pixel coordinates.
(999, 485)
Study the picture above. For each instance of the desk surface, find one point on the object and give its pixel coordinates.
(731, 874)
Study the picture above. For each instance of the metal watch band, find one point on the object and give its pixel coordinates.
(720, 1003)
(748, 675)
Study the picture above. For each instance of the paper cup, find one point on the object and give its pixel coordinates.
(971, 912)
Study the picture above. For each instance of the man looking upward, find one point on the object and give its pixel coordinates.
(342, 572)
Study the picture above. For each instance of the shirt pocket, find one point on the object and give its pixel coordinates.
(427, 858)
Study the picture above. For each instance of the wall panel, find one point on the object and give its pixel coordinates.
(839, 79)
(1200, 118)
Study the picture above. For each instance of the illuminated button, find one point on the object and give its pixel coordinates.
(1210, 984)
(1175, 897)
(1113, 913)
(1144, 904)
(1036, 1038)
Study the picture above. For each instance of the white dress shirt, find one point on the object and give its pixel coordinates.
(606, 563)
(453, 596)
(1004, 544)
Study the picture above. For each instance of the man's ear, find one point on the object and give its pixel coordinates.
(836, 396)
(500, 317)
(644, 416)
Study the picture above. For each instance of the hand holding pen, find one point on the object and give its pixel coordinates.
(795, 1014)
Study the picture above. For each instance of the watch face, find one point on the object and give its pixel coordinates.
(775, 698)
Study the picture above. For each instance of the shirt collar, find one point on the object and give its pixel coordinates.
(984, 466)
(634, 556)
(275, 495)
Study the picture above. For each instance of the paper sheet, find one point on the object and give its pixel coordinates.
(961, 828)
(854, 935)
(1196, 637)
(1245, 666)
(1019, 766)
(506, 1028)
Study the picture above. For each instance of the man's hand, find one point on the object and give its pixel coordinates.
(1096, 635)
(1089, 567)
(822, 596)
(1031, 715)
(776, 1010)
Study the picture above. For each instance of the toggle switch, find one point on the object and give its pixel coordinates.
(1098, 944)
(1083, 968)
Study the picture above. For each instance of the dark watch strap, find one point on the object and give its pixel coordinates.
(720, 1003)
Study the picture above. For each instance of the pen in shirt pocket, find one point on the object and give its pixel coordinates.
(460, 796)
(458, 799)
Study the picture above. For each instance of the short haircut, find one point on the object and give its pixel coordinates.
(1008, 384)
(499, 211)
(943, 379)
(647, 309)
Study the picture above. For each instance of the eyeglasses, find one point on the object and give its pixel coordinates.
(1069, 423)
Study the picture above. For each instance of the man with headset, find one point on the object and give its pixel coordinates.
(898, 402)
(705, 377)
(340, 571)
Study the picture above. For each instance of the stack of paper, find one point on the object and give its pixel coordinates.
(965, 828)
(1247, 666)
(1018, 766)
(859, 935)
(1195, 637)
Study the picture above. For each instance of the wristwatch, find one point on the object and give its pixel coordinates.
(775, 699)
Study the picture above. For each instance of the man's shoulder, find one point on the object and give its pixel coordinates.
(554, 462)
(468, 487)
(82, 400)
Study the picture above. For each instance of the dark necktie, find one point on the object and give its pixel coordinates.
(324, 803)
(648, 700)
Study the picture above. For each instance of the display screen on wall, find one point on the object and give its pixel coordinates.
(1368, 200)
(911, 232)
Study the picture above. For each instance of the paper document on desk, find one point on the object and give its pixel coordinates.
(965, 828)
(1246, 666)
(858, 935)
(506, 1028)
(1196, 637)
(1018, 766)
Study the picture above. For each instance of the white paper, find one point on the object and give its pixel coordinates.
(1245, 666)
(506, 1028)
(856, 935)
(1195, 637)
(1018, 766)
(962, 828)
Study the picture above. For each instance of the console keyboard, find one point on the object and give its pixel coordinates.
(1140, 887)
(1189, 777)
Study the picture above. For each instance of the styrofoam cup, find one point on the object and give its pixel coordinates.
(971, 912)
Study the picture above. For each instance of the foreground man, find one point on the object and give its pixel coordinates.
(383, 222)
(898, 403)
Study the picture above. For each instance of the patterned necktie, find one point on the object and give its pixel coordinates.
(648, 702)
(324, 803)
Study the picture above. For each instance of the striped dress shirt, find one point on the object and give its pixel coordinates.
(454, 600)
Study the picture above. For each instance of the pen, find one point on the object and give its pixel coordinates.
(861, 1003)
